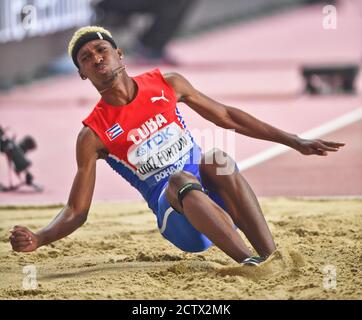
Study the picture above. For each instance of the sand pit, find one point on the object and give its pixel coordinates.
(119, 254)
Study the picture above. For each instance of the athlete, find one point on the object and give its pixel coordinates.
(198, 199)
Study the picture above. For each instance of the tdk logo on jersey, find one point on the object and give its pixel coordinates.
(155, 141)
(114, 132)
(149, 127)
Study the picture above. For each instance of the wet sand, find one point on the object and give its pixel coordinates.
(119, 254)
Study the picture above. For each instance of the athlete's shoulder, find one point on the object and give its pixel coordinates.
(86, 135)
(88, 138)
(179, 84)
(173, 78)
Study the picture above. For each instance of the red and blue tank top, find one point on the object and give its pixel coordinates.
(147, 139)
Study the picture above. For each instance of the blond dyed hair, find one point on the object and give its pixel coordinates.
(81, 32)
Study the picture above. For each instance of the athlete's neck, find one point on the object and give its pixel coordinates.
(121, 91)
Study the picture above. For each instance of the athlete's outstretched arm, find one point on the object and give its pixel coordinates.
(233, 118)
(74, 214)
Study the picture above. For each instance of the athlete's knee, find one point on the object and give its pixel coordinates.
(178, 179)
(179, 184)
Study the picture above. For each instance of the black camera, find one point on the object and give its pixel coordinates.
(15, 154)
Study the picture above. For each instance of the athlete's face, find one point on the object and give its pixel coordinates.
(97, 61)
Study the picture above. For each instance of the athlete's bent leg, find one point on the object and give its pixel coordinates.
(219, 174)
(206, 216)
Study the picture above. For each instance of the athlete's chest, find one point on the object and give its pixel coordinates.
(151, 118)
(149, 137)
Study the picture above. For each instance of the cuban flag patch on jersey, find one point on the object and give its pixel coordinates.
(113, 132)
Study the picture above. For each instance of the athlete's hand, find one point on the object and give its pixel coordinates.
(317, 146)
(23, 240)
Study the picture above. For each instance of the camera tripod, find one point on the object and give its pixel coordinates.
(28, 181)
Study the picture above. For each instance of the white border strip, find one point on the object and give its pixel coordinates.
(326, 128)
(164, 221)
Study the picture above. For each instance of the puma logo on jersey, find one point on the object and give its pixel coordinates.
(147, 128)
(154, 99)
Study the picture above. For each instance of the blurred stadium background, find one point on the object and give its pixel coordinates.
(292, 63)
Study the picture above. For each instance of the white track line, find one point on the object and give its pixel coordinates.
(326, 128)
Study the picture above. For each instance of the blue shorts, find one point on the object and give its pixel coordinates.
(177, 229)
